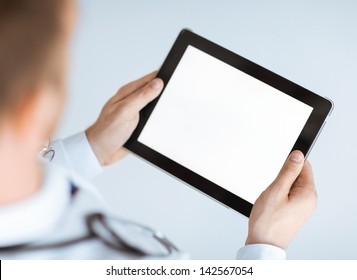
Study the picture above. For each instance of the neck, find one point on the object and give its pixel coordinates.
(20, 172)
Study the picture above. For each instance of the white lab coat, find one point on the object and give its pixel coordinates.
(53, 215)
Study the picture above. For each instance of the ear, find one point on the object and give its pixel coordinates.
(36, 118)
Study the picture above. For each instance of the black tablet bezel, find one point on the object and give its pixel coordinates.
(321, 109)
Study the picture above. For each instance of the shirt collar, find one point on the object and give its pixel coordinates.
(36, 216)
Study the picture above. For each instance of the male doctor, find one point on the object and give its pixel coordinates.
(50, 210)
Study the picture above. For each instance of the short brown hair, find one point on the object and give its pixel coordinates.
(28, 33)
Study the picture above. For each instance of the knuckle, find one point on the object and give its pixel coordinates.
(291, 169)
(122, 108)
(141, 92)
(289, 172)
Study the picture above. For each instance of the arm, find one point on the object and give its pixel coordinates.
(281, 210)
(102, 143)
(76, 154)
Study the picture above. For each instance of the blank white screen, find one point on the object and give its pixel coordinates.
(224, 125)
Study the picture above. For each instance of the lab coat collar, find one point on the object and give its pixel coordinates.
(33, 218)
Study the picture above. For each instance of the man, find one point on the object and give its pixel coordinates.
(42, 209)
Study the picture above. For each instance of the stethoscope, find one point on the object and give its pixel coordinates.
(48, 152)
(105, 229)
(102, 227)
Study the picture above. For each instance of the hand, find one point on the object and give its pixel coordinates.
(282, 209)
(120, 116)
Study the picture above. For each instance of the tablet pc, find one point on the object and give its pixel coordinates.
(223, 124)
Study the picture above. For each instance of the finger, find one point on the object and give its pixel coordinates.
(306, 178)
(307, 174)
(144, 95)
(290, 171)
(133, 86)
(304, 188)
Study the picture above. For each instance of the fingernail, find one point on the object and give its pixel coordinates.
(156, 84)
(296, 157)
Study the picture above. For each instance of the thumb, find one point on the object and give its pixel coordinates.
(290, 171)
(140, 98)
